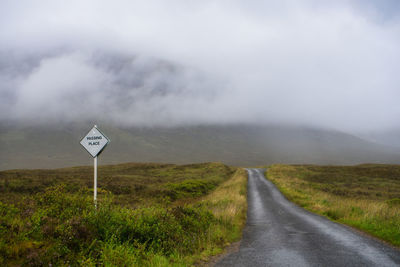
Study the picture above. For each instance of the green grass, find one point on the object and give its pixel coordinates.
(147, 215)
(365, 196)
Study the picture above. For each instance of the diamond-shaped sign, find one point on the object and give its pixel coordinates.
(94, 142)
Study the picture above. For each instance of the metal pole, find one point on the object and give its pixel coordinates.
(95, 182)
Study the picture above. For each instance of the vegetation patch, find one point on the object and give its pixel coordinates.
(190, 188)
(365, 196)
(228, 204)
(132, 184)
(59, 224)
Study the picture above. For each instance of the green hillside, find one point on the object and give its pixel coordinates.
(241, 145)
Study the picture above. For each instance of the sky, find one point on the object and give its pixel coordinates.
(332, 64)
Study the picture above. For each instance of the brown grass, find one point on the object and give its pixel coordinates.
(229, 200)
(228, 203)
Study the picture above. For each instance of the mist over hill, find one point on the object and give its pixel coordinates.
(178, 117)
(388, 137)
(242, 82)
(54, 146)
(164, 64)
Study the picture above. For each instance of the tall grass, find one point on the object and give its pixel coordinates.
(228, 204)
(366, 196)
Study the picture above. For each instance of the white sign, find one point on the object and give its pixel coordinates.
(95, 141)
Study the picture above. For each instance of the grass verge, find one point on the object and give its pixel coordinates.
(228, 204)
(366, 197)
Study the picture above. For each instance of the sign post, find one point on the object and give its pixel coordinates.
(95, 182)
(94, 142)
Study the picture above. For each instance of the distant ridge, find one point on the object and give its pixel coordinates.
(244, 145)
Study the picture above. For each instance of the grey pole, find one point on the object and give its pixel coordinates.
(95, 182)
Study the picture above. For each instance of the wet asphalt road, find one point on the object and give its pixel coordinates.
(279, 233)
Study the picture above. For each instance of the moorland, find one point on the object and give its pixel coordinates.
(146, 215)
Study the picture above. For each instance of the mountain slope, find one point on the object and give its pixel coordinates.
(58, 146)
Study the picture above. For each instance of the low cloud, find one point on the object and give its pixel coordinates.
(169, 63)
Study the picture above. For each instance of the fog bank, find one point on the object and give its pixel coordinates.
(176, 63)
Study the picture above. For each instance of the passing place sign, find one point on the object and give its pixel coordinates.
(95, 141)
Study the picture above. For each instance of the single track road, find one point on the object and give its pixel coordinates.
(279, 233)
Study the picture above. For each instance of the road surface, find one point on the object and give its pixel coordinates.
(279, 233)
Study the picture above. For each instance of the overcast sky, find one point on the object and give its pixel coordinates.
(177, 62)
